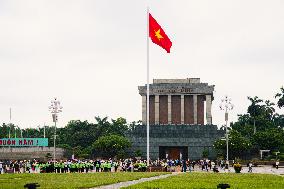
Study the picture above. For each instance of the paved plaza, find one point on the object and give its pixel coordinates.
(264, 169)
(129, 183)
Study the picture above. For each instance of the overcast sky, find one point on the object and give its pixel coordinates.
(92, 54)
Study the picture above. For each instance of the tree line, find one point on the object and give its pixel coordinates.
(105, 138)
(260, 128)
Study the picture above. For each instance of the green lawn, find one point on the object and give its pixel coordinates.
(68, 180)
(211, 180)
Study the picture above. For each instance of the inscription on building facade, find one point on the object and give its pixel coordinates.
(182, 90)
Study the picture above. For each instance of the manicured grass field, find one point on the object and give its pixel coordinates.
(211, 180)
(68, 180)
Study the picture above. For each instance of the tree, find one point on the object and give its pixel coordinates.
(280, 97)
(116, 126)
(238, 144)
(78, 136)
(255, 109)
(271, 139)
(244, 125)
(205, 153)
(134, 124)
(269, 109)
(78, 133)
(110, 146)
(4, 131)
(138, 153)
(14, 130)
(260, 114)
(278, 120)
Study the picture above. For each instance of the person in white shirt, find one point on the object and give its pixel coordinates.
(1, 167)
(250, 167)
(277, 164)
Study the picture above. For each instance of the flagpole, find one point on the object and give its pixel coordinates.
(148, 99)
(10, 123)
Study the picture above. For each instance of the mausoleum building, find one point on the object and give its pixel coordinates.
(177, 101)
(180, 120)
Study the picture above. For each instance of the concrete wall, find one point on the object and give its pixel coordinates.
(26, 153)
(196, 137)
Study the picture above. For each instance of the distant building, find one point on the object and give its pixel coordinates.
(180, 120)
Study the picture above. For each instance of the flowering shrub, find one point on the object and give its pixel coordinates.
(237, 167)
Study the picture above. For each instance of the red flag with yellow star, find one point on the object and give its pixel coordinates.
(157, 34)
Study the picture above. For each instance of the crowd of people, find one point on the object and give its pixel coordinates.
(110, 165)
(71, 166)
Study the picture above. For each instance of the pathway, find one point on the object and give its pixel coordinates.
(128, 183)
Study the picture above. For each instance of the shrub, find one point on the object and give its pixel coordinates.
(281, 157)
(138, 153)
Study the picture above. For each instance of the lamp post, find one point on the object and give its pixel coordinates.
(227, 106)
(55, 108)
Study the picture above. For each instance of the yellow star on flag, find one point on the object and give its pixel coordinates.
(158, 35)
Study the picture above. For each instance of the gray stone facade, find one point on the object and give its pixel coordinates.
(195, 138)
(177, 86)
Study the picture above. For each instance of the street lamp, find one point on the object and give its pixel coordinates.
(227, 106)
(55, 108)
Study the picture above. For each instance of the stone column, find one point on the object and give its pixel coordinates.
(182, 109)
(144, 110)
(157, 111)
(169, 109)
(208, 109)
(195, 109)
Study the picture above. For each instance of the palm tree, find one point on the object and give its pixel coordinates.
(280, 97)
(254, 109)
(269, 109)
